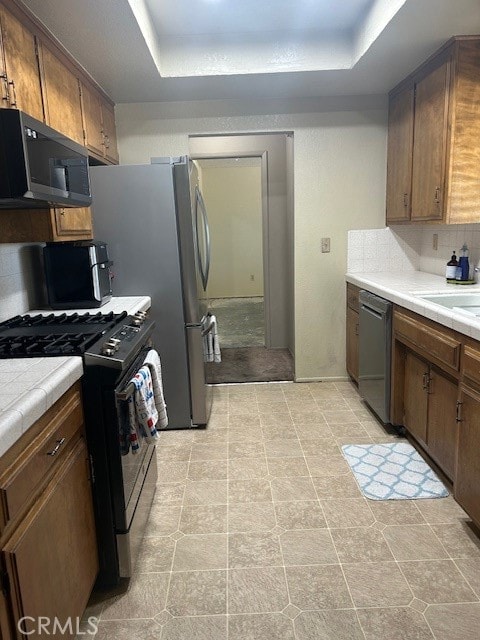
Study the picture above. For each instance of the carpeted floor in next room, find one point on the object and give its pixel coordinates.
(244, 356)
(258, 531)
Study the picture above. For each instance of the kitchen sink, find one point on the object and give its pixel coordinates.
(468, 303)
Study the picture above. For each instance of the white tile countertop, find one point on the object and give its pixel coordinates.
(30, 386)
(405, 288)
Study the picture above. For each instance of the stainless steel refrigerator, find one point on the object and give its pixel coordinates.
(154, 221)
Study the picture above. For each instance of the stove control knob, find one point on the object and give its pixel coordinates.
(110, 347)
(139, 318)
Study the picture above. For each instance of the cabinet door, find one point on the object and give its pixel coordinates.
(92, 120)
(21, 66)
(73, 222)
(109, 132)
(51, 558)
(399, 155)
(442, 426)
(430, 144)
(415, 397)
(352, 343)
(62, 97)
(467, 477)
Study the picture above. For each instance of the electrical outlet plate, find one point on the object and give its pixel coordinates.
(325, 245)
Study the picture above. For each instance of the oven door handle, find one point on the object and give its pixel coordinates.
(126, 393)
(129, 389)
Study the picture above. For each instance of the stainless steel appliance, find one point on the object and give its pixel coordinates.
(154, 221)
(77, 274)
(39, 166)
(123, 484)
(375, 340)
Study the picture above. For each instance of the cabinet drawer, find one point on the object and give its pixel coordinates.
(352, 296)
(471, 364)
(37, 457)
(436, 345)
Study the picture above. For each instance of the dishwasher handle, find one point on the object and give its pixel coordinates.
(372, 312)
(374, 303)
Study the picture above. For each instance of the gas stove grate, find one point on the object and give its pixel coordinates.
(53, 335)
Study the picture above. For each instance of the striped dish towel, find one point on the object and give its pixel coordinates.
(143, 414)
(153, 362)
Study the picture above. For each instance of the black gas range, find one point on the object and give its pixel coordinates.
(113, 348)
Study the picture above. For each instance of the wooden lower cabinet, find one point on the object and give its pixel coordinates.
(415, 399)
(48, 538)
(467, 479)
(430, 405)
(442, 425)
(51, 559)
(352, 343)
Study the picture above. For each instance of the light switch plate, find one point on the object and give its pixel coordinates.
(435, 241)
(325, 245)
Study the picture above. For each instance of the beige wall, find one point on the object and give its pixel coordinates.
(233, 197)
(339, 184)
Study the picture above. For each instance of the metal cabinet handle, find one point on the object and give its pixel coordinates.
(437, 195)
(6, 97)
(357, 332)
(13, 103)
(54, 451)
(405, 200)
(425, 382)
(458, 417)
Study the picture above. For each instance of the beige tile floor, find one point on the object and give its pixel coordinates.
(258, 531)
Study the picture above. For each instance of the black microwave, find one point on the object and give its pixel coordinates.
(40, 167)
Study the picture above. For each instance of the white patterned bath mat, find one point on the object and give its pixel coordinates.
(393, 471)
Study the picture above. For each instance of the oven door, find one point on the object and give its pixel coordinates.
(134, 471)
(128, 469)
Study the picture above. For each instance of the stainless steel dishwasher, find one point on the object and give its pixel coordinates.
(375, 348)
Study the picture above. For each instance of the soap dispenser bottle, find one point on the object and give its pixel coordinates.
(463, 263)
(452, 265)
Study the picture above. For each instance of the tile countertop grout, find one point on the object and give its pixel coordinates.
(405, 288)
(30, 386)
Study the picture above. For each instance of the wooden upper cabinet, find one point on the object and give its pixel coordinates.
(73, 224)
(20, 81)
(63, 110)
(108, 119)
(92, 119)
(399, 155)
(99, 125)
(430, 144)
(444, 155)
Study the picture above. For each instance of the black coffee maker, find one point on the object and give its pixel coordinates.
(78, 274)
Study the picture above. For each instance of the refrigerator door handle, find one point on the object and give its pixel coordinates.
(206, 227)
(198, 207)
(205, 268)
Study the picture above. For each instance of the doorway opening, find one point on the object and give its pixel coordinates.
(232, 191)
(247, 185)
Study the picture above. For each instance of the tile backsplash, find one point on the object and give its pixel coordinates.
(407, 248)
(21, 279)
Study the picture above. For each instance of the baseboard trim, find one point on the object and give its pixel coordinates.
(324, 379)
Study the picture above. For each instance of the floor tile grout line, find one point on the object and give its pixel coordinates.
(464, 577)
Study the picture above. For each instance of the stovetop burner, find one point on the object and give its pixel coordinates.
(54, 335)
